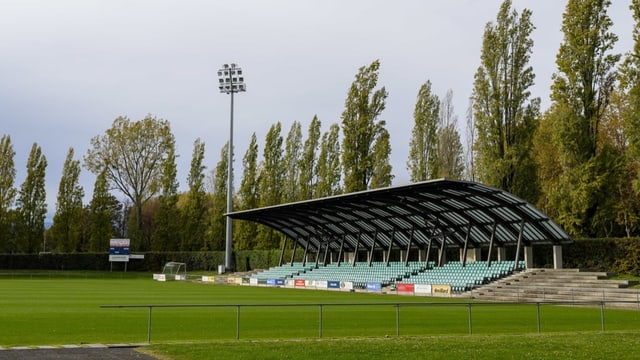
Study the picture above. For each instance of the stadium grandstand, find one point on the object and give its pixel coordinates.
(399, 236)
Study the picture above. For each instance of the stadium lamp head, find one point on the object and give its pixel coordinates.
(231, 79)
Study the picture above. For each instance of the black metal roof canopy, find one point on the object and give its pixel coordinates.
(411, 215)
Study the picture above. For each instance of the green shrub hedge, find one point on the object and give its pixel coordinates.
(153, 261)
(620, 256)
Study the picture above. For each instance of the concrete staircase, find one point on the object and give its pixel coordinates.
(565, 285)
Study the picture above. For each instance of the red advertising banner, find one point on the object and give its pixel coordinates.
(299, 283)
(405, 288)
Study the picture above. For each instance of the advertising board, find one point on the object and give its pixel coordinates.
(119, 250)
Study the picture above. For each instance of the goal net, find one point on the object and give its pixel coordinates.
(172, 271)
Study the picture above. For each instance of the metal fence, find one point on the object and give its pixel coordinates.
(469, 307)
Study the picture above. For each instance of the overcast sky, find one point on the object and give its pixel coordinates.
(69, 68)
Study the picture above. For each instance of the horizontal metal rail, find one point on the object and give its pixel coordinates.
(395, 305)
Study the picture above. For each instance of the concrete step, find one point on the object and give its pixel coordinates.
(566, 285)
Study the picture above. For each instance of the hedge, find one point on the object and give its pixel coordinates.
(153, 261)
(620, 256)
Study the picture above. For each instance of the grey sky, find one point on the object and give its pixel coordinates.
(68, 68)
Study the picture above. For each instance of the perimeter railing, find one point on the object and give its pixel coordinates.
(470, 308)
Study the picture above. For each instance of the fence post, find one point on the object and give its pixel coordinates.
(602, 315)
(538, 316)
(149, 325)
(397, 319)
(320, 321)
(237, 322)
(470, 323)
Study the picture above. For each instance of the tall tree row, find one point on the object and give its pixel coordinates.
(578, 160)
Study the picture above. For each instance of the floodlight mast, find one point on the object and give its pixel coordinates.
(230, 81)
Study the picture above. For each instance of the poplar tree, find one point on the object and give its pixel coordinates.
(450, 152)
(291, 162)
(581, 92)
(166, 235)
(381, 174)
(361, 128)
(7, 191)
(249, 197)
(31, 203)
(423, 146)
(195, 216)
(271, 179)
(67, 221)
(630, 85)
(308, 176)
(470, 153)
(218, 220)
(104, 214)
(504, 112)
(328, 167)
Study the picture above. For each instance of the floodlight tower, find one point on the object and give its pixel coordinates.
(230, 81)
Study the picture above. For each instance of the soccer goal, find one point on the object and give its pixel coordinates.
(172, 271)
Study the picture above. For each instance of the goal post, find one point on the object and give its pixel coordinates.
(172, 271)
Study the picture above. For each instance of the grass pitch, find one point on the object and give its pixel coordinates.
(64, 308)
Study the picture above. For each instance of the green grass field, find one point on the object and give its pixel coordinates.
(65, 308)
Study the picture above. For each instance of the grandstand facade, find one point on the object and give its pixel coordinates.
(413, 225)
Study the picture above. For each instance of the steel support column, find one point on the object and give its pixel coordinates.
(355, 254)
(340, 252)
(293, 253)
(515, 264)
(493, 235)
(284, 244)
(466, 246)
(373, 245)
(306, 250)
(326, 251)
(393, 235)
(443, 249)
(406, 256)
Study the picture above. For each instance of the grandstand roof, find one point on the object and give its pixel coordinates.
(396, 217)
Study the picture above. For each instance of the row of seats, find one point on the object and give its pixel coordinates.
(461, 278)
(464, 278)
(284, 271)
